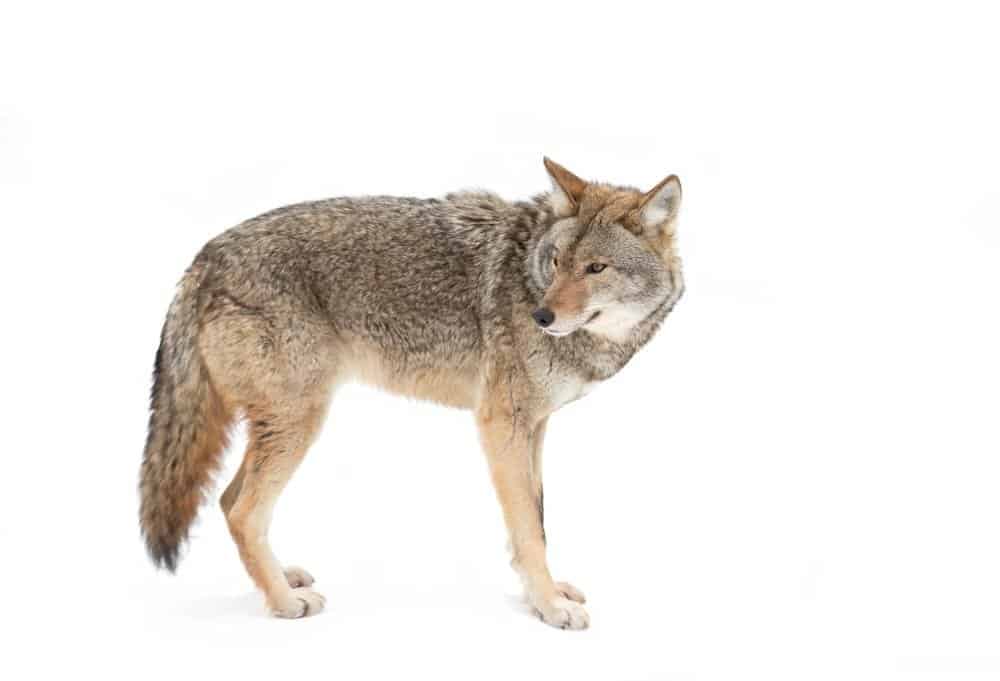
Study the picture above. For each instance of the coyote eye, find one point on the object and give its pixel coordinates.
(595, 268)
(555, 261)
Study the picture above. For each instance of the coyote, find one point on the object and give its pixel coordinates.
(508, 309)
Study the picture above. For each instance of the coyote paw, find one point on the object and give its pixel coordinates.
(297, 577)
(570, 592)
(301, 602)
(564, 613)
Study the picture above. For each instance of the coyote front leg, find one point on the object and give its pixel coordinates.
(509, 437)
(537, 442)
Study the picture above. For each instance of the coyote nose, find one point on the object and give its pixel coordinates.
(543, 316)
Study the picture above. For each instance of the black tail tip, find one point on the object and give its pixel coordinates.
(164, 555)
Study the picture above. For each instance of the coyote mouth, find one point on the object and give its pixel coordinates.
(558, 334)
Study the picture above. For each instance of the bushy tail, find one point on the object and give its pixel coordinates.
(188, 426)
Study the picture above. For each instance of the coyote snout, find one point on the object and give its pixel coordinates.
(566, 304)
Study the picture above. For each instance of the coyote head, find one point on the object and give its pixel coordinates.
(609, 260)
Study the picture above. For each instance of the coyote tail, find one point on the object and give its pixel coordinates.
(188, 426)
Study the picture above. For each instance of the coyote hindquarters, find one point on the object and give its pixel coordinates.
(511, 310)
(200, 383)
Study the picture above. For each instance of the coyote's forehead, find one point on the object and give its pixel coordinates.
(605, 205)
(603, 210)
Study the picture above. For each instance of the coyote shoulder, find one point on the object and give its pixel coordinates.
(508, 309)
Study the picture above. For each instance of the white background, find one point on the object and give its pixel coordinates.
(797, 479)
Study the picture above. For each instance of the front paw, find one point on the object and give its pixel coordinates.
(563, 613)
(571, 592)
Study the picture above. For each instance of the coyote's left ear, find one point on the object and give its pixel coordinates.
(660, 204)
(567, 189)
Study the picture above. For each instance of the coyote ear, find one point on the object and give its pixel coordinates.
(567, 188)
(660, 204)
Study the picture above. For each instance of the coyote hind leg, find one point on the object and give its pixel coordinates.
(296, 576)
(233, 489)
(278, 443)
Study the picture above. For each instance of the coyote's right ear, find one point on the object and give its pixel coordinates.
(567, 189)
(660, 204)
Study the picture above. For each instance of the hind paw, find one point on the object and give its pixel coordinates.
(297, 577)
(301, 602)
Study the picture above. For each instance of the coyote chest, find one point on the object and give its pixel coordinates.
(569, 388)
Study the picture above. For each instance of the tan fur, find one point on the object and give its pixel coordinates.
(567, 296)
(452, 387)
